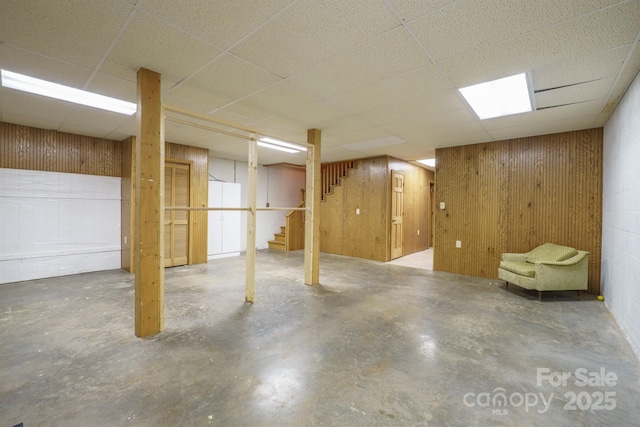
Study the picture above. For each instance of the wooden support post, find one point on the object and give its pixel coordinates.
(251, 220)
(312, 216)
(149, 207)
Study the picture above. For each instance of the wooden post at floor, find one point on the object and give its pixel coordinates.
(312, 215)
(149, 207)
(252, 183)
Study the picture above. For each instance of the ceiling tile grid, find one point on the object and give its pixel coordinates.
(312, 31)
(358, 70)
(220, 23)
(73, 31)
(149, 43)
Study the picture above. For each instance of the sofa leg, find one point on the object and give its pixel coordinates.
(506, 285)
(578, 295)
(539, 295)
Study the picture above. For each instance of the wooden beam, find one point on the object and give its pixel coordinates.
(251, 221)
(312, 217)
(149, 207)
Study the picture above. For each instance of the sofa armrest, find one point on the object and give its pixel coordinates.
(571, 261)
(514, 257)
(572, 274)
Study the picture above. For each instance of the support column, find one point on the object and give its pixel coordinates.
(149, 207)
(252, 179)
(312, 215)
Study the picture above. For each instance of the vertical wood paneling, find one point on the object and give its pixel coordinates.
(126, 214)
(367, 187)
(417, 207)
(199, 159)
(23, 147)
(513, 195)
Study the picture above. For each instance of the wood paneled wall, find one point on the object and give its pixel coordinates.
(23, 147)
(198, 158)
(368, 188)
(513, 195)
(127, 216)
(417, 206)
(363, 235)
(199, 188)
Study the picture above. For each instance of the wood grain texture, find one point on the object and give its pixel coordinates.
(127, 194)
(23, 147)
(368, 187)
(417, 205)
(198, 158)
(513, 195)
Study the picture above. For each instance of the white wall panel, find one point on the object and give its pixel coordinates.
(55, 224)
(276, 185)
(620, 276)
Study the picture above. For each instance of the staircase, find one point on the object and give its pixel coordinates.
(279, 243)
(291, 236)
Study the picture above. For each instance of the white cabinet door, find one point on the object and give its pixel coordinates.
(224, 226)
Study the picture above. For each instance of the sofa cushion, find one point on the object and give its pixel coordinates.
(551, 252)
(522, 268)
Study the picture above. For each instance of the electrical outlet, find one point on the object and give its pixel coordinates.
(458, 244)
(442, 205)
(357, 211)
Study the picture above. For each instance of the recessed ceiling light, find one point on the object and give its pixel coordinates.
(497, 98)
(273, 141)
(428, 162)
(65, 93)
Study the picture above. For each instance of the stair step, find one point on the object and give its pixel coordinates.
(283, 230)
(278, 246)
(279, 237)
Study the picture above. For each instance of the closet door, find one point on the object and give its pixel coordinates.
(176, 223)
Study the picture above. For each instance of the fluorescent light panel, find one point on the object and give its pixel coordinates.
(288, 147)
(428, 162)
(276, 147)
(502, 97)
(65, 93)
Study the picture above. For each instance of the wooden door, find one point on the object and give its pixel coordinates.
(397, 197)
(176, 223)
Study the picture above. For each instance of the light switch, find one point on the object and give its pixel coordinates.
(357, 211)
(458, 244)
(441, 205)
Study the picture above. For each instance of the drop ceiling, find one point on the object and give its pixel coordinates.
(361, 71)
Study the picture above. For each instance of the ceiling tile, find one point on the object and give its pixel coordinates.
(408, 10)
(588, 108)
(467, 24)
(542, 128)
(580, 69)
(600, 31)
(224, 81)
(151, 44)
(329, 27)
(93, 122)
(388, 55)
(32, 110)
(343, 124)
(275, 99)
(42, 67)
(589, 91)
(70, 31)
(221, 23)
(104, 84)
(420, 85)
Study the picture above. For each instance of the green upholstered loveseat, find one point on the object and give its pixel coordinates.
(548, 267)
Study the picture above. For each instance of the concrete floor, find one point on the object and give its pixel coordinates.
(374, 345)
